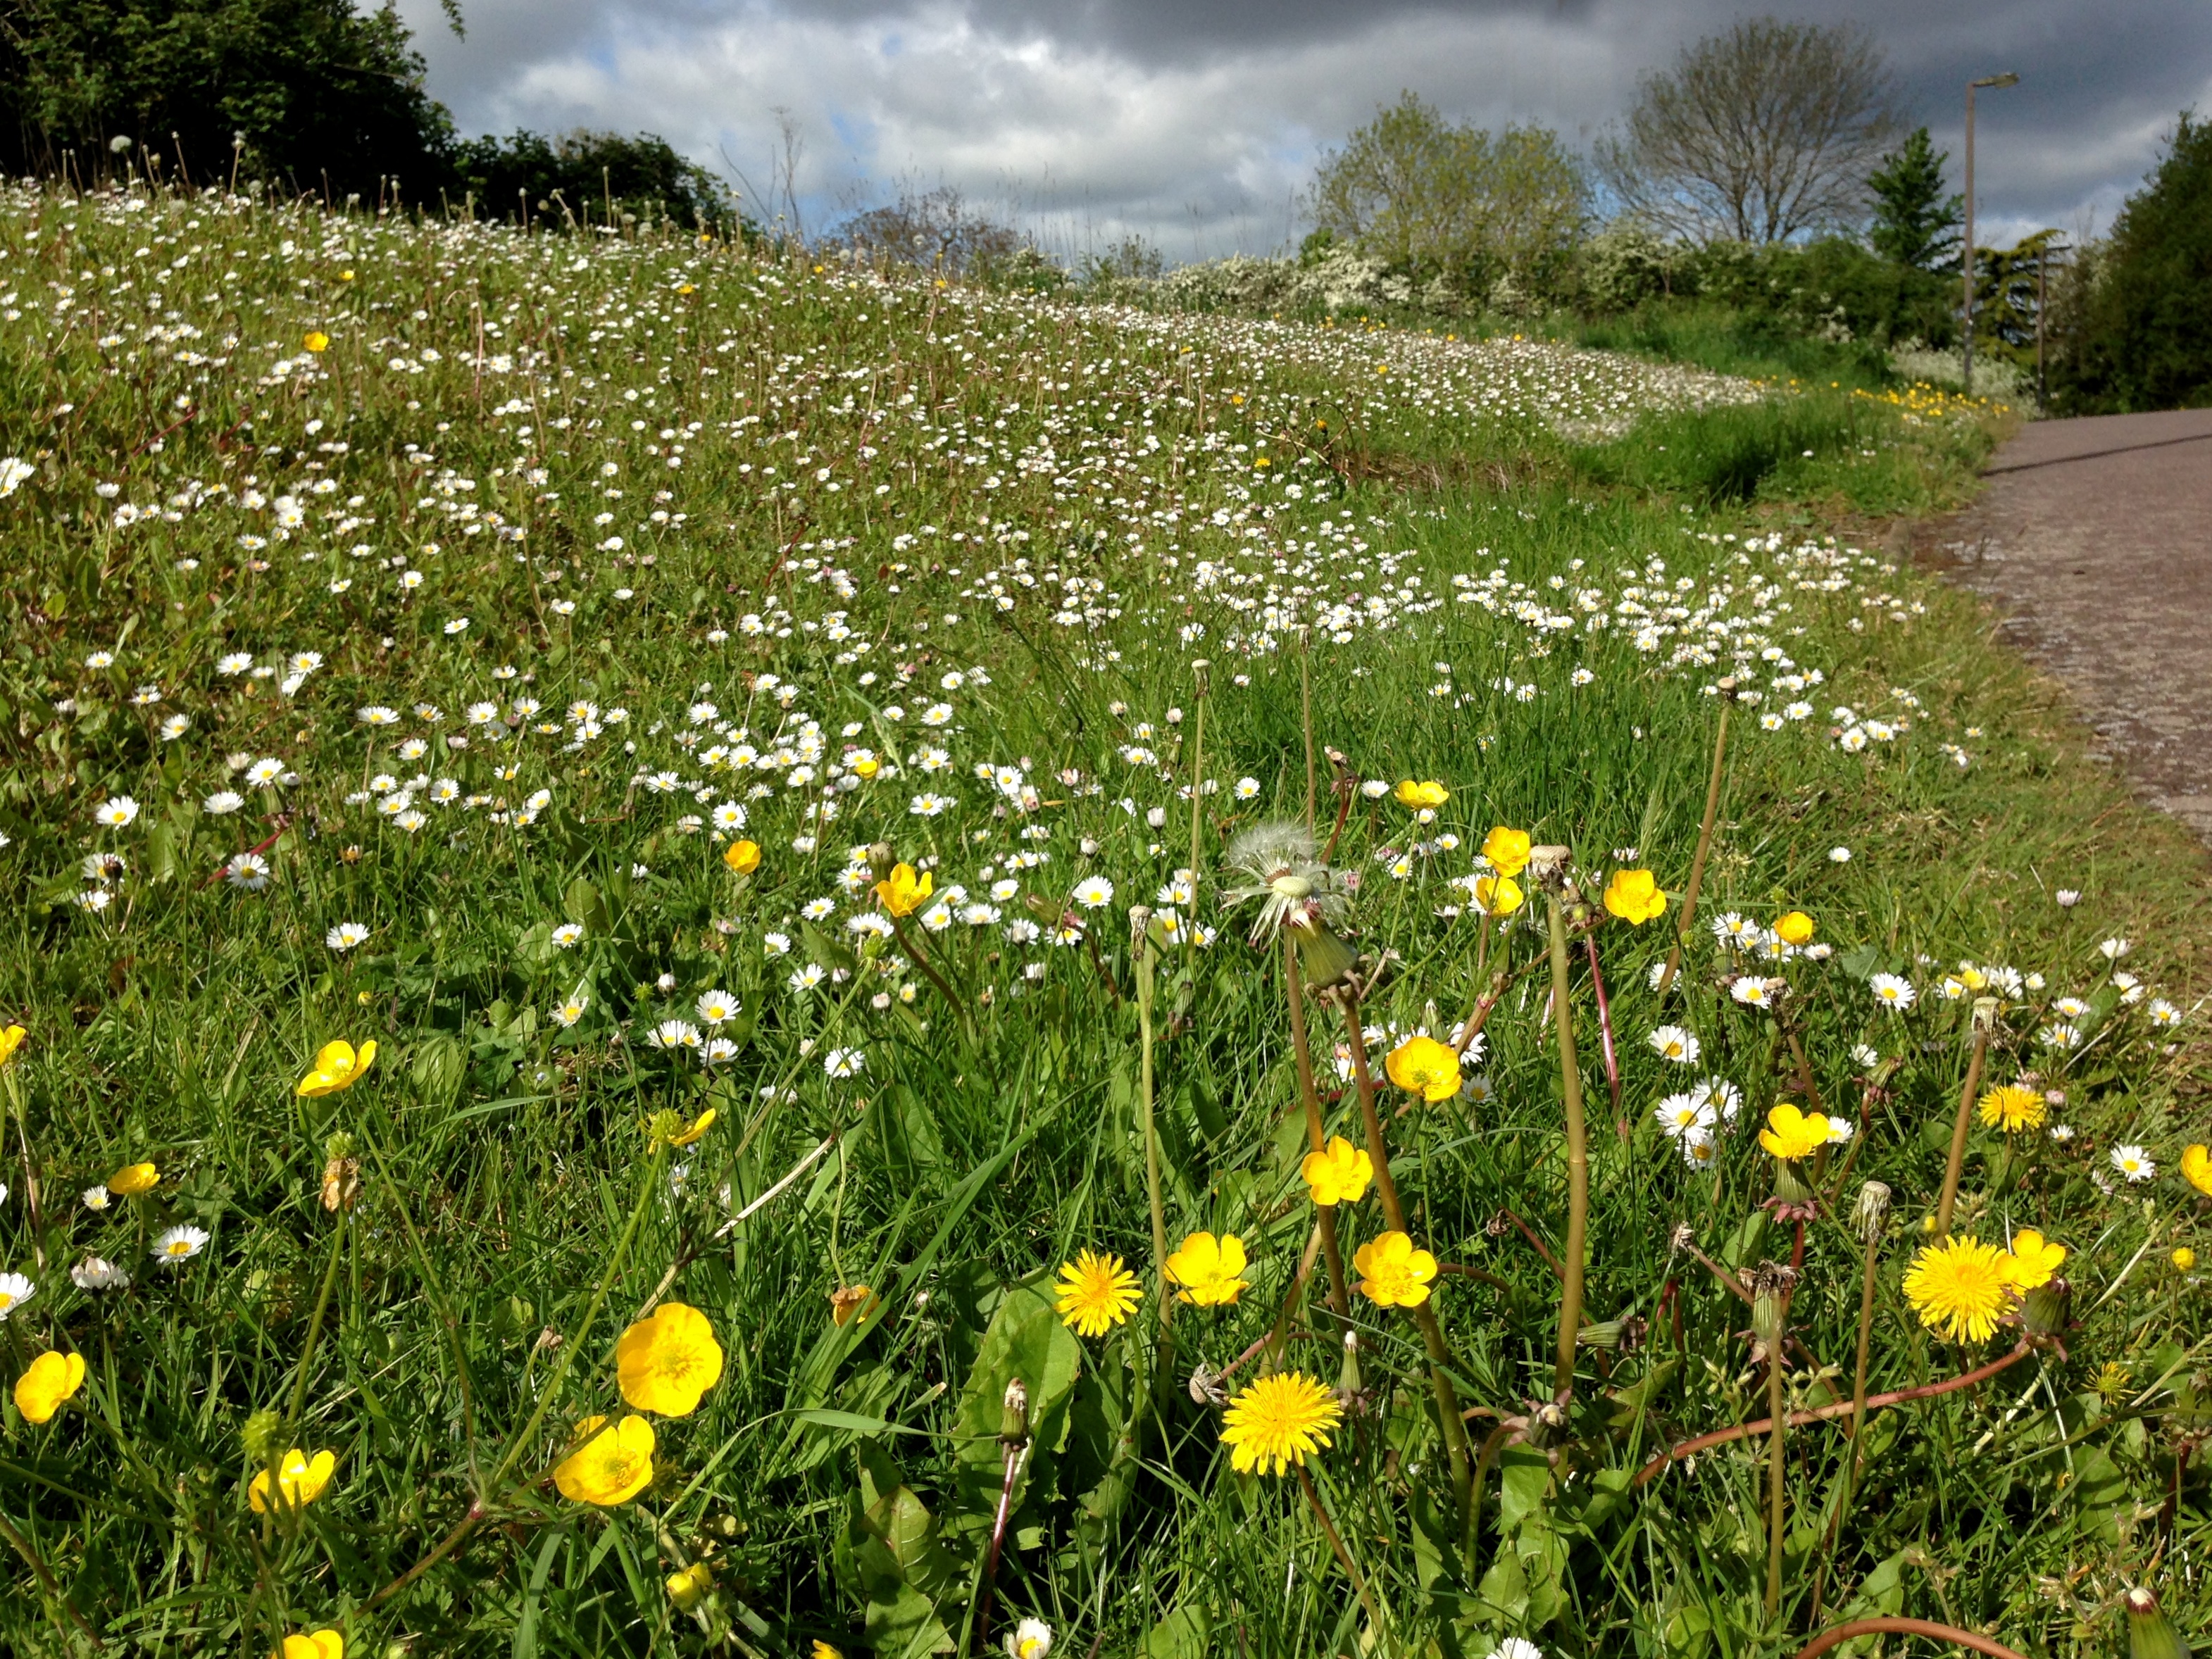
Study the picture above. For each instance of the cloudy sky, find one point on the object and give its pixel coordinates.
(1196, 123)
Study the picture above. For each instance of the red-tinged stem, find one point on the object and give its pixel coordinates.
(1015, 1455)
(1895, 1626)
(1823, 1414)
(1705, 845)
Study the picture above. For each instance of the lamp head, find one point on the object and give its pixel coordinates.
(2005, 79)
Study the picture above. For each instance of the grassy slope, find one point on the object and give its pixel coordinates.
(503, 1153)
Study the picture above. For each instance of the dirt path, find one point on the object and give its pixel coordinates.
(2094, 541)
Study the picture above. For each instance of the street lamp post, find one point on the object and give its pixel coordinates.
(1966, 317)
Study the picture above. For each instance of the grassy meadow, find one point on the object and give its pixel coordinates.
(562, 662)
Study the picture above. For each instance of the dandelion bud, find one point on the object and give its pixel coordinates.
(1684, 1237)
(260, 1435)
(1985, 1013)
(1014, 1413)
(1871, 1210)
(880, 859)
(1139, 916)
(1206, 1387)
(2151, 1634)
(2043, 1311)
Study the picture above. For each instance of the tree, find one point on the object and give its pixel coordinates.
(1436, 199)
(937, 231)
(581, 173)
(1914, 223)
(2135, 327)
(306, 94)
(1760, 134)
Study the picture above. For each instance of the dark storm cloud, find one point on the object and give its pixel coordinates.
(1198, 123)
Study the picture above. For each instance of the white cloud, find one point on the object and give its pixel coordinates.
(1087, 132)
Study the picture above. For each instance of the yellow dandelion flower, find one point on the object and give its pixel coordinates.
(2034, 1261)
(1961, 1288)
(1337, 1174)
(1095, 1293)
(1393, 1272)
(1422, 1066)
(1278, 1423)
(1634, 896)
(2012, 1109)
(1210, 1270)
(666, 1362)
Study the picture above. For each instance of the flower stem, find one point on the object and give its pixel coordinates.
(1316, 1139)
(1777, 1403)
(1891, 1626)
(1705, 845)
(1424, 1315)
(1859, 1374)
(929, 970)
(568, 1349)
(1343, 1555)
(1146, 967)
(1956, 1167)
(1605, 1030)
(1570, 1089)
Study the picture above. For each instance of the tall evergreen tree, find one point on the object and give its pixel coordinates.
(1914, 223)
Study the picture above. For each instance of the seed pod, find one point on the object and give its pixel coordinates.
(1014, 1413)
(2151, 1634)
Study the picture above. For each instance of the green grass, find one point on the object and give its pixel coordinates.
(1036, 519)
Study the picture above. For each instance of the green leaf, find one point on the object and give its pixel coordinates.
(1524, 1477)
(1183, 1634)
(906, 1626)
(1026, 1338)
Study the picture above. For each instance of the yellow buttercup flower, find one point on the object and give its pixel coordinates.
(1428, 794)
(312, 1645)
(1497, 896)
(1209, 1269)
(821, 1648)
(1634, 896)
(1961, 1287)
(53, 1376)
(1422, 1066)
(2197, 1169)
(316, 341)
(1794, 928)
(133, 1179)
(1095, 1293)
(1339, 1173)
(1790, 1135)
(2184, 1257)
(2034, 1261)
(338, 1067)
(300, 1479)
(2012, 1109)
(1507, 850)
(665, 1362)
(1393, 1272)
(902, 892)
(10, 1040)
(1278, 1423)
(742, 856)
(610, 1465)
(688, 1586)
(667, 1128)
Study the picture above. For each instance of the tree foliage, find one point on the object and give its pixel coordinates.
(936, 230)
(2134, 322)
(1914, 223)
(586, 175)
(1760, 134)
(1434, 198)
(312, 93)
